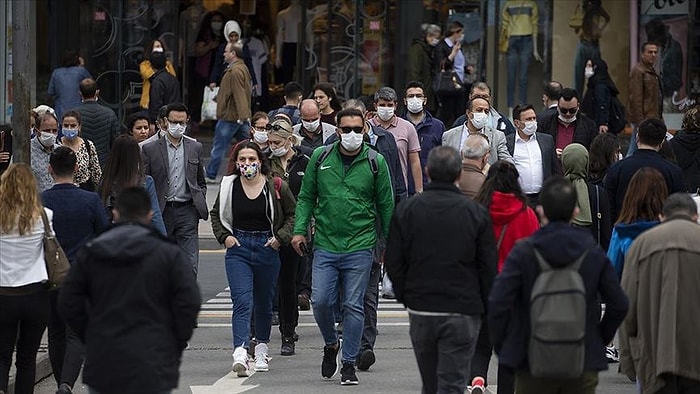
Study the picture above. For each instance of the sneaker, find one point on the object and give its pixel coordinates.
(611, 354)
(330, 365)
(261, 358)
(64, 388)
(304, 302)
(287, 347)
(365, 359)
(477, 386)
(347, 375)
(240, 362)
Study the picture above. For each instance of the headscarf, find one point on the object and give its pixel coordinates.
(574, 159)
(691, 120)
(232, 26)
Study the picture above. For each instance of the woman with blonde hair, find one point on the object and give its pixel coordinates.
(288, 163)
(24, 299)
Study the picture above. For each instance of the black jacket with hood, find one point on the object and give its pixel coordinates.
(132, 298)
(686, 147)
(509, 302)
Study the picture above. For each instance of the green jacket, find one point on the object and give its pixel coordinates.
(281, 214)
(345, 204)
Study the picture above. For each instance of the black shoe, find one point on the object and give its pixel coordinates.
(64, 388)
(287, 347)
(303, 302)
(275, 319)
(365, 360)
(330, 364)
(347, 375)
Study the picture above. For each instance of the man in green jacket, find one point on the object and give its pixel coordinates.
(344, 189)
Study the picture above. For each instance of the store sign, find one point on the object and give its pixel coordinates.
(665, 7)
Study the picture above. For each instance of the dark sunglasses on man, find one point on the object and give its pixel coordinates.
(565, 111)
(347, 130)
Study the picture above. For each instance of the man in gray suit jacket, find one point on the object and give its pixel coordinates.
(534, 153)
(477, 119)
(175, 163)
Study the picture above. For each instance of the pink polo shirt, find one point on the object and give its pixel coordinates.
(406, 139)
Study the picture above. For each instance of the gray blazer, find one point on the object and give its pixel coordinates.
(550, 163)
(497, 140)
(155, 162)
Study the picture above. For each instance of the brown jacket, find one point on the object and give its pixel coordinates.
(471, 180)
(660, 278)
(644, 94)
(233, 99)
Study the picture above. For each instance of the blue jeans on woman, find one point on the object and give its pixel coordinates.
(331, 271)
(252, 271)
(224, 132)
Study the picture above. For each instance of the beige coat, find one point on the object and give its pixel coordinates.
(233, 99)
(662, 280)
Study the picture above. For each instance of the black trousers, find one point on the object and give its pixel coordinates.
(287, 287)
(22, 322)
(66, 351)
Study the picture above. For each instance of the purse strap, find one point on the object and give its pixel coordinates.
(503, 234)
(597, 210)
(45, 220)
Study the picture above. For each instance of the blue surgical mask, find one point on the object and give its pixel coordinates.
(70, 133)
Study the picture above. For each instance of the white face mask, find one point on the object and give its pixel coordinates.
(385, 113)
(351, 141)
(530, 127)
(46, 139)
(567, 121)
(311, 126)
(479, 120)
(176, 130)
(260, 136)
(588, 72)
(279, 152)
(414, 105)
(434, 42)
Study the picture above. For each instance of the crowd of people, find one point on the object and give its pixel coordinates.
(319, 201)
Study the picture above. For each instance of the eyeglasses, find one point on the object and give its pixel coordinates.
(347, 130)
(565, 111)
(276, 127)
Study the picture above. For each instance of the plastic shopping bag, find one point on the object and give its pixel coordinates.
(208, 103)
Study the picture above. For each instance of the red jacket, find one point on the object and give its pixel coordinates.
(522, 222)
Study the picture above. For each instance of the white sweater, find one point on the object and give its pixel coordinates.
(22, 256)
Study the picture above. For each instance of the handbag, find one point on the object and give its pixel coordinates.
(57, 264)
(209, 103)
(447, 83)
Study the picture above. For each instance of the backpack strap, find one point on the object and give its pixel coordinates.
(326, 151)
(372, 157)
(277, 182)
(597, 210)
(503, 234)
(577, 264)
(544, 266)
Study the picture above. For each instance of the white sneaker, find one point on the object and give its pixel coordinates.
(261, 358)
(240, 362)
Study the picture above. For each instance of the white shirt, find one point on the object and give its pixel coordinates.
(528, 161)
(22, 257)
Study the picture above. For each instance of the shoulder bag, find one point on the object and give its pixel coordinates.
(447, 83)
(57, 264)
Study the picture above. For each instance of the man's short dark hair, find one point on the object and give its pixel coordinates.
(646, 44)
(133, 204)
(568, 94)
(470, 102)
(552, 89)
(679, 204)
(88, 88)
(347, 113)
(292, 91)
(520, 108)
(177, 107)
(414, 84)
(558, 199)
(62, 161)
(444, 164)
(651, 131)
(157, 60)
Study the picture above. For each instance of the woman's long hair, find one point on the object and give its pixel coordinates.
(124, 167)
(19, 199)
(645, 196)
(329, 90)
(603, 153)
(502, 177)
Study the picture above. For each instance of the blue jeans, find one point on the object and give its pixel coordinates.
(252, 271)
(633, 141)
(224, 131)
(518, 57)
(329, 269)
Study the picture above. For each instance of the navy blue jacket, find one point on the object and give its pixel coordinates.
(621, 172)
(430, 131)
(509, 303)
(78, 215)
(386, 145)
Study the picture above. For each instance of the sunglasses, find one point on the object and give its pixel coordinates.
(565, 111)
(346, 130)
(276, 127)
